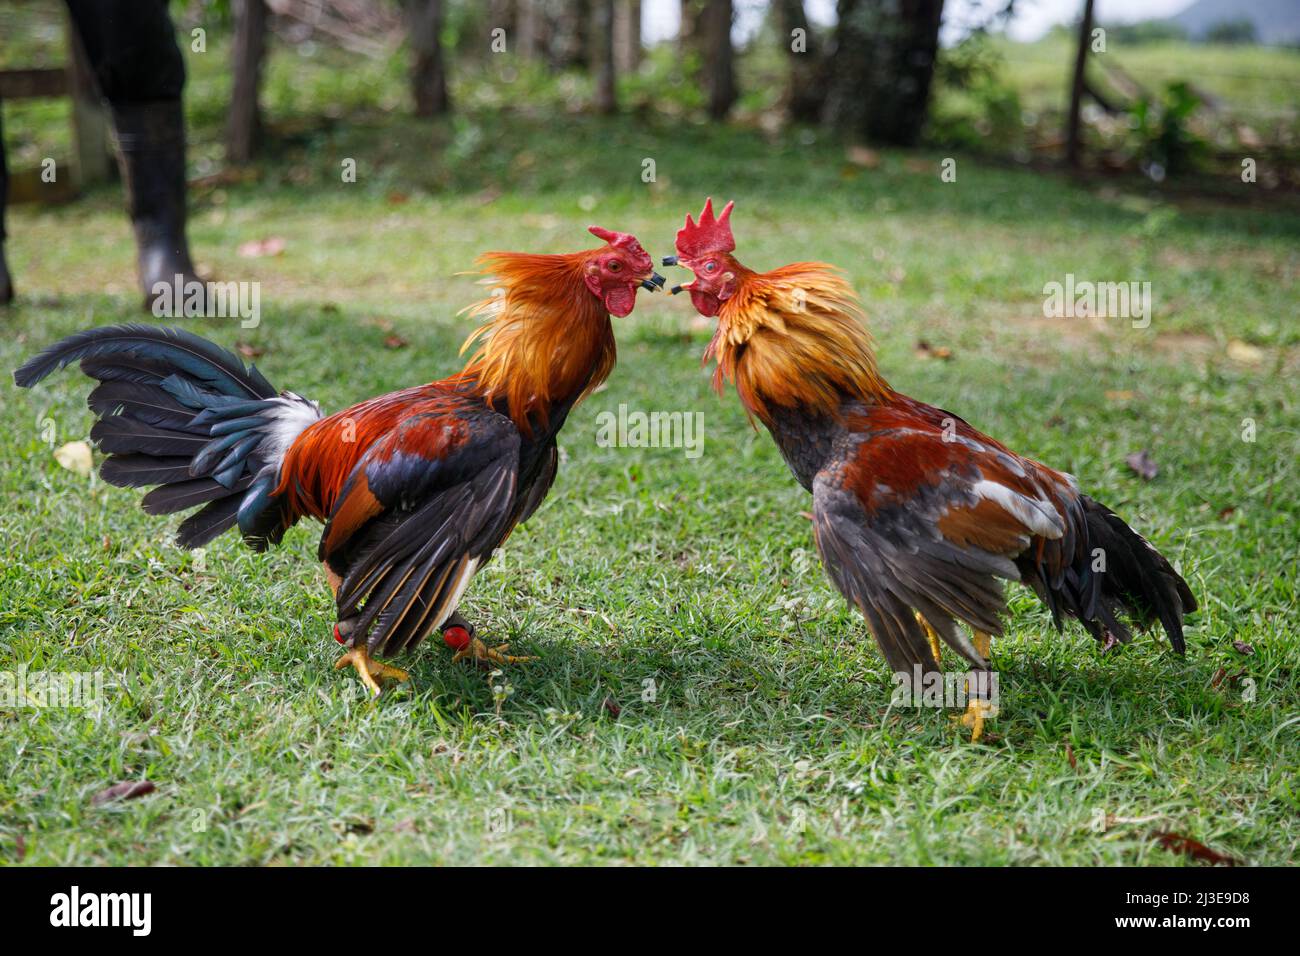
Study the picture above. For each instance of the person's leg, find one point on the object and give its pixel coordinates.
(131, 46)
(6, 284)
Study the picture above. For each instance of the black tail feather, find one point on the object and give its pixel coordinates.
(181, 413)
(184, 352)
(1132, 579)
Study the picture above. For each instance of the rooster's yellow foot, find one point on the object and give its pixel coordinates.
(480, 653)
(369, 670)
(977, 711)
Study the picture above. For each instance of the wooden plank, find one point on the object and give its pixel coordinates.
(29, 84)
(26, 186)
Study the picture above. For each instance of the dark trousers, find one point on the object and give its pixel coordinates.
(131, 45)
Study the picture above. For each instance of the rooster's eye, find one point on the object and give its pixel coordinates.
(613, 265)
(710, 266)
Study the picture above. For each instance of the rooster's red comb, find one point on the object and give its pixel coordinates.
(708, 235)
(622, 240)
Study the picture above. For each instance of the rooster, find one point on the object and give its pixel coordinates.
(416, 488)
(917, 516)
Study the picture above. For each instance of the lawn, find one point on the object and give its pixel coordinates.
(702, 694)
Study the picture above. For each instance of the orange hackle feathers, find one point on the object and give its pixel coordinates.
(795, 336)
(545, 337)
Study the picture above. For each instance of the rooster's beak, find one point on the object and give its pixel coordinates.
(654, 283)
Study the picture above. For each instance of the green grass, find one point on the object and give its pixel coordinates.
(770, 737)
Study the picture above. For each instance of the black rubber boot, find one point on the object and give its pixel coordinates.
(6, 284)
(151, 155)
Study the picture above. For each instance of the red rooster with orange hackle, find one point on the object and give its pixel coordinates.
(917, 516)
(416, 488)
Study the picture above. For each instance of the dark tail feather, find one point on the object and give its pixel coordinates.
(1137, 579)
(183, 352)
(181, 413)
(216, 518)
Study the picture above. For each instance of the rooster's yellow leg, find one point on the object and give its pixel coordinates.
(480, 653)
(977, 711)
(930, 636)
(369, 670)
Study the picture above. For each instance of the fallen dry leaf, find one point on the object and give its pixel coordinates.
(1243, 648)
(1119, 395)
(611, 707)
(863, 156)
(924, 350)
(395, 341)
(1178, 843)
(126, 790)
(75, 456)
(1069, 755)
(260, 248)
(1244, 352)
(1143, 464)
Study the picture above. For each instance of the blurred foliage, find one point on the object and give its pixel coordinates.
(1145, 31)
(1165, 144)
(991, 96)
(1232, 31)
(976, 108)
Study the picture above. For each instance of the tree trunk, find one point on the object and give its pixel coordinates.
(1073, 141)
(805, 91)
(244, 122)
(527, 43)
(627, 36)
(570, 23)
(602, 56)
(690, 29)
(719, 69)
(428, 62)
(882, 68)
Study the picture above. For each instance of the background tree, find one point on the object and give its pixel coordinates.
(882, 67)
(805, 90)
(627, 36)
(690, 32)
(602, 56)
(528, 24)
(244, 121)
(1073, 140)
(570, 23)
(428, 66)
(719, 66)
